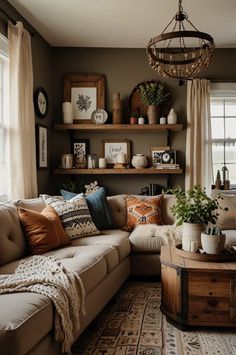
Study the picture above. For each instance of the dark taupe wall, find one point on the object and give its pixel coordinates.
(124, 69)
(42, 70)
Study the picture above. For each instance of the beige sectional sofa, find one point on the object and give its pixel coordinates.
(103, 263)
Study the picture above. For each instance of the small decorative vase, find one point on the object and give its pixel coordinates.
(191, 233)
(139, 161)
(116, 109)
(152, 114)
(213, 244)
(172, 117)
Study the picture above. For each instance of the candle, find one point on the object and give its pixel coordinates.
(67, 110)
(121, 158)
(102, 163)
(193, 246)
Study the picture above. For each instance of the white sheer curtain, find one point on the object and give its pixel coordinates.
(199, 169)
(21, 130)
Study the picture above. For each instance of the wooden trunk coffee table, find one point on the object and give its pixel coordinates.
(196, 293)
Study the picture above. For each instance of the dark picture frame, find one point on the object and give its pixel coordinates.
(80, 150)
(87, 94)
(42, 146)
(156, 155)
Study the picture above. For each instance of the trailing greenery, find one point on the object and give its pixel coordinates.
(213, 230)
(72, 186)
(194, 206)
(153, 93)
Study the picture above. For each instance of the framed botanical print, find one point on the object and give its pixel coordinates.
(42, 146)
(112, 147)
(80, 150)
(86, 93)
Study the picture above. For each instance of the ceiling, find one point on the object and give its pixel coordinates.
(123, 23)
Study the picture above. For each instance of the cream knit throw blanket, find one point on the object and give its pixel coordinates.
(47, 276)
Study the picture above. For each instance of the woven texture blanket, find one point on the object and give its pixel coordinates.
(168, 234)
(47, 276)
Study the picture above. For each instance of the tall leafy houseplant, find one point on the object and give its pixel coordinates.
(194, 209)
(153, 94)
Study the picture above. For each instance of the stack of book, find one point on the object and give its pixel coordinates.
(167, 166)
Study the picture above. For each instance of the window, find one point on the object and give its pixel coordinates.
(3, 116)
(223, 126)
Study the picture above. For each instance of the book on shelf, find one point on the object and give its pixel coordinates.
(167, 166)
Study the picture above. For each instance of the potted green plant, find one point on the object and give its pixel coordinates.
(153, 94)
(194, 209)
(213, 240)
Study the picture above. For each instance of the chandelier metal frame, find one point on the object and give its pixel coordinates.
(183, 62)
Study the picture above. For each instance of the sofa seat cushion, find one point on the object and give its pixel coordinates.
(25, 318)
(111, 237)
(145, 238)
(89, 261)
(230, 236)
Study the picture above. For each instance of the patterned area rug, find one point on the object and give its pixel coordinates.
(133, 324)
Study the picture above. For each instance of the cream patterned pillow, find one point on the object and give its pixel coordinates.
(75, 216)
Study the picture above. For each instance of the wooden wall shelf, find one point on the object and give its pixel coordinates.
(119, 127)
(116, 171)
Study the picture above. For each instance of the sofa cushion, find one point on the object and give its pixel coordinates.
(34, 204)
(145, 238)
(75, 216)
(98, 207)
(12, 241)
(43, 230)
(117, 207)
(113, 238)
(141, 210)
(227, 219)
(25, 318)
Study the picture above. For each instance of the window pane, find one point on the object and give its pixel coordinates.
(230, 106)
(218, 153)
(217, 106)
(217, 127)
(232, 173)
(230, 127)
(230, 152)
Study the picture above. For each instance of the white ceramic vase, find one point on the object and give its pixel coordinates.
(191, 233)
(213, 244)
(172, 117)
(139, 161)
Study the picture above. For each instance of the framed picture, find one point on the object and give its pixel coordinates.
(42, 146)
(168, 157)
(156, 155)
(80, 149)
(112, 147)
(87, 94)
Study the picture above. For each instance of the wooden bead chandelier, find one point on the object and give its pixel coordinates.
(181, 54)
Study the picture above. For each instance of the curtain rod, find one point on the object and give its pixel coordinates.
(4, 13)
(222, 80)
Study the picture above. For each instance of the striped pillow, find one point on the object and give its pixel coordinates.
(74, 215)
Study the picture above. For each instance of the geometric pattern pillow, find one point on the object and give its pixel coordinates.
(74, 215)
(142, 211)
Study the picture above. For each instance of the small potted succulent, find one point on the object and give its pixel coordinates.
(213, 240)
(153, 94)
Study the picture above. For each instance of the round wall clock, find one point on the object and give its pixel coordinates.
(41, 102)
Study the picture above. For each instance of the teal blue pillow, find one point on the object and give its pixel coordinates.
(98, 207)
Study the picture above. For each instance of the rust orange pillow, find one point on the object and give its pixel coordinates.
(142, 211)
(43, 230)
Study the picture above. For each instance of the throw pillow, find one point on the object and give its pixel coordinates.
(75, 216)
(43, 230)
(142, 211)
(227, 218)
(98, 207)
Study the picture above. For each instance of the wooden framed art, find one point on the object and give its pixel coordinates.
(86, 93)
(156, 155)
(112, 147)
(42, 146)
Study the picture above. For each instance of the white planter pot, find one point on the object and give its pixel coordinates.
(191, 233)
(213, 244)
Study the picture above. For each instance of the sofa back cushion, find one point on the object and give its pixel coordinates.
(34, 204)
(117, 206)
(12, 240)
